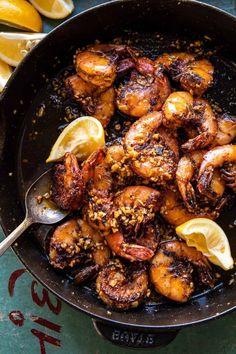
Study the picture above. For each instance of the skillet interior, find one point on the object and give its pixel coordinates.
(25, 159)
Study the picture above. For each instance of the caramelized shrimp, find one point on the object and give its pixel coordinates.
(175, 213)
(102, 106)
(193, 75)
(152, 150)
(186, 170)
(80, 90)
(122, 173)
(197, 77)
(130, 251)
(122, 287)
(74, 241)
(98, 63)
(177, 109)
(180, 109)
(184, 175)
(98, 180)
(145, 91)
(173, 267)
(96, 67)
(226, 130)
(228, 173)
(134, 207)
(104, 171)
(213, 159)
(68, 186)
(204, 118)
(174, 62)
(142, 249)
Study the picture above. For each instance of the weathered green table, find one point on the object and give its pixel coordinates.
(33, 321)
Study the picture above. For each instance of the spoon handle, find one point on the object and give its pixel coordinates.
(10, 239)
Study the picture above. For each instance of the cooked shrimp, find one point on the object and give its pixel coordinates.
(205, 120)
(96, 68)
(184, 175)
(74, 241)
(175, 213)
(145, 91)
(143, 65)
(174, 62)
(134, 207)
(98, 180)
(68, 186)
(104, 171)
(228, 173)
(122, 173)
(193, 75)
(186, 170)
(130, 251)
(98, 63)
(120, 287)
(180, 109)
(173, 268)
(152, 150)
(197, 77)
(177, 109)
(100, 252)
(79, 89)
(226, 130)
(101, 106)
(213, 159)
(142, 249)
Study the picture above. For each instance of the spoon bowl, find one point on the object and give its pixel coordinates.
(39, 209)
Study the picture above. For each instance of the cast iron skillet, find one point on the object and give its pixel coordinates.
(22, 156)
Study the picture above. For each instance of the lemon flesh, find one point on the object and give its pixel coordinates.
(20, 14)
(54, 8)
(209, 238)
(5, 73)
(14, 46)
(81, 137)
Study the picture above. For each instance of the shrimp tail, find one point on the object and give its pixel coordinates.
(196, 143)
(204, 184)
(191, 201)
(138, 253)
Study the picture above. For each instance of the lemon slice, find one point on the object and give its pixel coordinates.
(20, 14)
(5, 73)
(14, 46)
(54, 8)
(81, 137)
(209, 238)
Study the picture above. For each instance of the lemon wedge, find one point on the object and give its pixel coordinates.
(20, 14)
(54, 8)
(81, 137)
(5, 73)
(14, 46)
(209, 238)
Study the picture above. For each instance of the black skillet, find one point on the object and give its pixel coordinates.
(25, 141)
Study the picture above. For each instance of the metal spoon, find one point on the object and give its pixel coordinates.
(44, 212)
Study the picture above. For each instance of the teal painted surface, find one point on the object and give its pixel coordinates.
(77, 335)
(74, 331)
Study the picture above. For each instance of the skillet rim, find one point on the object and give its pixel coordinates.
(18, 253)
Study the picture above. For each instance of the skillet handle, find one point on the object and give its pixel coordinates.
(133, 338)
